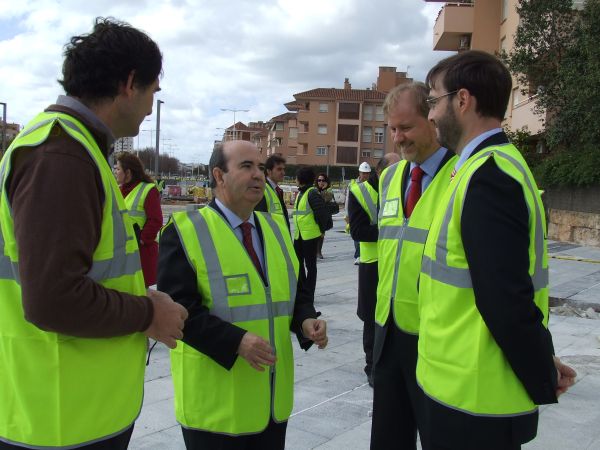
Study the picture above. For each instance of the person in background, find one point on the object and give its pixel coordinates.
(364, 170)
(236, 272)
(362, 210)
(322, 184)
(311, 218)
(75, 315)
(143, 203)
(273, 201)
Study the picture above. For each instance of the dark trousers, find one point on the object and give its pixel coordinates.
(397, 400)
(272, 438)
(118, 442)
(307, 256)
(367, 301)
(450, 429)
(320, 245)
(356, 249)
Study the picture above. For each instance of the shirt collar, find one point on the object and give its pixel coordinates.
(232, 217)
(88, 115)
(472, 145)
(431, 164)
(272, 183)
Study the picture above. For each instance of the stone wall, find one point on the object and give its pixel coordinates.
(574, 215)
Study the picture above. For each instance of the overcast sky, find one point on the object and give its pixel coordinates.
(220, 54)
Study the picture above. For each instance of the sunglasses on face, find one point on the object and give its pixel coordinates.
(321, 180)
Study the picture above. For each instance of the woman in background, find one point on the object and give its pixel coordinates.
(322, 184)
(143, 202)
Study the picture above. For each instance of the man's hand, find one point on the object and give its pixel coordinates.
(168, 319)
(256, 351)
(315, 330)
(565, 375)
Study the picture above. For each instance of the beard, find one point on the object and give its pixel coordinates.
(448, 129)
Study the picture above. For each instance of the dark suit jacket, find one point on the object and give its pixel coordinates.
(203, 331)
(495, 236)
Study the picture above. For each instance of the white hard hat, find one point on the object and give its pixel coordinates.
(364, 167)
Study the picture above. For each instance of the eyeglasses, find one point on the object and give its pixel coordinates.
(432, 101)
(321, 179)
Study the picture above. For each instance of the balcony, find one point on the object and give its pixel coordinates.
(453, 27)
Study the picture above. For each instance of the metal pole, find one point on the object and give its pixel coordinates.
(328, 146)
(234, 111)
(158, 103)
(3, 146)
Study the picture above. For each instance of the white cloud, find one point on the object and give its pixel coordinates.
(235, 54)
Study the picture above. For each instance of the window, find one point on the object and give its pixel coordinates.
(323, 107)
(322, 129)
(377, 154)
(367, 135)
(346, 155)
(279, 126)
(503, 44)
(379, 135)
(293, 133)
(517, 97)
(379, 113)
(348, 133)
(349, 111)
(368, 112)
(365, 153)
(504, 9)
(321, 150)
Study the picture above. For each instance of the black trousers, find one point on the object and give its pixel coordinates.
(367, 301)
(118, 442)
(397, 399)
(272, 438)
(307, 256)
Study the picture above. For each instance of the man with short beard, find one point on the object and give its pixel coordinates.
(485, 353)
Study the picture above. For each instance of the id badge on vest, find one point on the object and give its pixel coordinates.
(238, 284)
(390, 208)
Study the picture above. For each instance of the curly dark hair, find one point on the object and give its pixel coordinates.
(322, 175)
(97, 63)
(131, 162)
(305, 176)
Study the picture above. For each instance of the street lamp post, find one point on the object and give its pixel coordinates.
(3, 146)
(158, 103)
(233, 110)
(328, 148)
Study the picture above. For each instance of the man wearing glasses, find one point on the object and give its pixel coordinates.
(485, 352)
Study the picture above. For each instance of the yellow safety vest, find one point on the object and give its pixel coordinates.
(401, 242)
(274, 206)
(367, 198)
(304, 218)
(460, 364)
(60, 391)
(135, 202)
(240, 400)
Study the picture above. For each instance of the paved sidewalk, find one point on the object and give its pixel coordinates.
(332, 398)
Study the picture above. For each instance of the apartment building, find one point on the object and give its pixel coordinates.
(282, 137)
(124, 144)
(8, 131)
(490, 26)
(342, 126)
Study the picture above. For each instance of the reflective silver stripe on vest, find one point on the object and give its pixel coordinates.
(27, 131)
(406, 233)
(369, 201)
(293, 282)
(303, 212)
(136, 201)
(461, 277)
(385, 184)
(216, 281)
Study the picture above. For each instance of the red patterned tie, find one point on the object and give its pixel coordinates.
(247, 239)
(414, 194)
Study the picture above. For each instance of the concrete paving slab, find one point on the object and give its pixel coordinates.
(332, 398)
